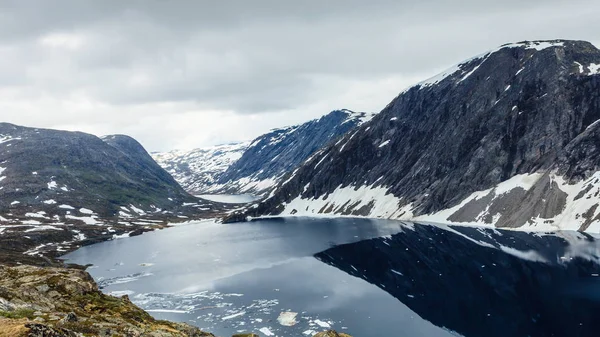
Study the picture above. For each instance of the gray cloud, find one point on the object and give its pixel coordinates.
(200, 72)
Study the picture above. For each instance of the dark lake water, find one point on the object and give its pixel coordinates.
(365, 277)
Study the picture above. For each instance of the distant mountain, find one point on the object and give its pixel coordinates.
(62, 188)
(256, 167)
(509, 138)
(197, 171)
(272, 155)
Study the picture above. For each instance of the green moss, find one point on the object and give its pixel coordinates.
(18, 314)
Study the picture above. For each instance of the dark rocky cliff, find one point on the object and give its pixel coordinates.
(523, 108)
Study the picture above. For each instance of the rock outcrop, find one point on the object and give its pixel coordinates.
(42, 302)
(331, 333)
(59, 302)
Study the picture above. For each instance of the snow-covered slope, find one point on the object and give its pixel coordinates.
(508, 138)
(50, 177)
(61, 189)
(197, 171)
(255, 167)
(272, 155)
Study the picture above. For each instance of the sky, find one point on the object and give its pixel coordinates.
(184, 74)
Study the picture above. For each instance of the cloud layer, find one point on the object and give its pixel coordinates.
(183, 74)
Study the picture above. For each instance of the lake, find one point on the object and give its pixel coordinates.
(297, 276)
(229, 198)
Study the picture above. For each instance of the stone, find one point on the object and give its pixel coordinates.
(70, 318)
(331, 333)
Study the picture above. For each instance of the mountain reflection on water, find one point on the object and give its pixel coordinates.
(421, 280)
(484, 282)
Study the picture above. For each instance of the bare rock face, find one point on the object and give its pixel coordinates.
(56, 302)
(41, 330)
(528, 108)
(331, 333)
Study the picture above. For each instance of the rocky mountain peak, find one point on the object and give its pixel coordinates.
(515, 111)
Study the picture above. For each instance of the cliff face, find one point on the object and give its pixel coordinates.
(507, 138)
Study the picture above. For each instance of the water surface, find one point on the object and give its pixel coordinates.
(368, 277)
(229, 198)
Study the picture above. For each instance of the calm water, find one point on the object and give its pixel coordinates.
(230, 198)
(371, 278)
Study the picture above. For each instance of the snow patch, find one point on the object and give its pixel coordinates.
(42, 228)
(266, 331)
(86, 211)
(287, 318)
(137, 210)
(524, 181)
(233, 316)
(322, 324)
(88, 220)
(347, 200)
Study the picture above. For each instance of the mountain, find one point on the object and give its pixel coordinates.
(269, 157)
(255, 167)
(197, 171)
(60, 189)
(507, 139)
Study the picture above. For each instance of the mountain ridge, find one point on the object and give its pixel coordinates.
(65, 189)
(256, 166)
(506, 113)
(199, 169)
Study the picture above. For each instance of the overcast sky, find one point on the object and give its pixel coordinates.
(185, 74)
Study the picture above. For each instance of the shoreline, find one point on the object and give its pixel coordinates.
(62, 299)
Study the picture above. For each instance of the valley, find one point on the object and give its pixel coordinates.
(468, 204)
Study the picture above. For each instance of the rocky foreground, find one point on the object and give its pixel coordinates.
(61, 302)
